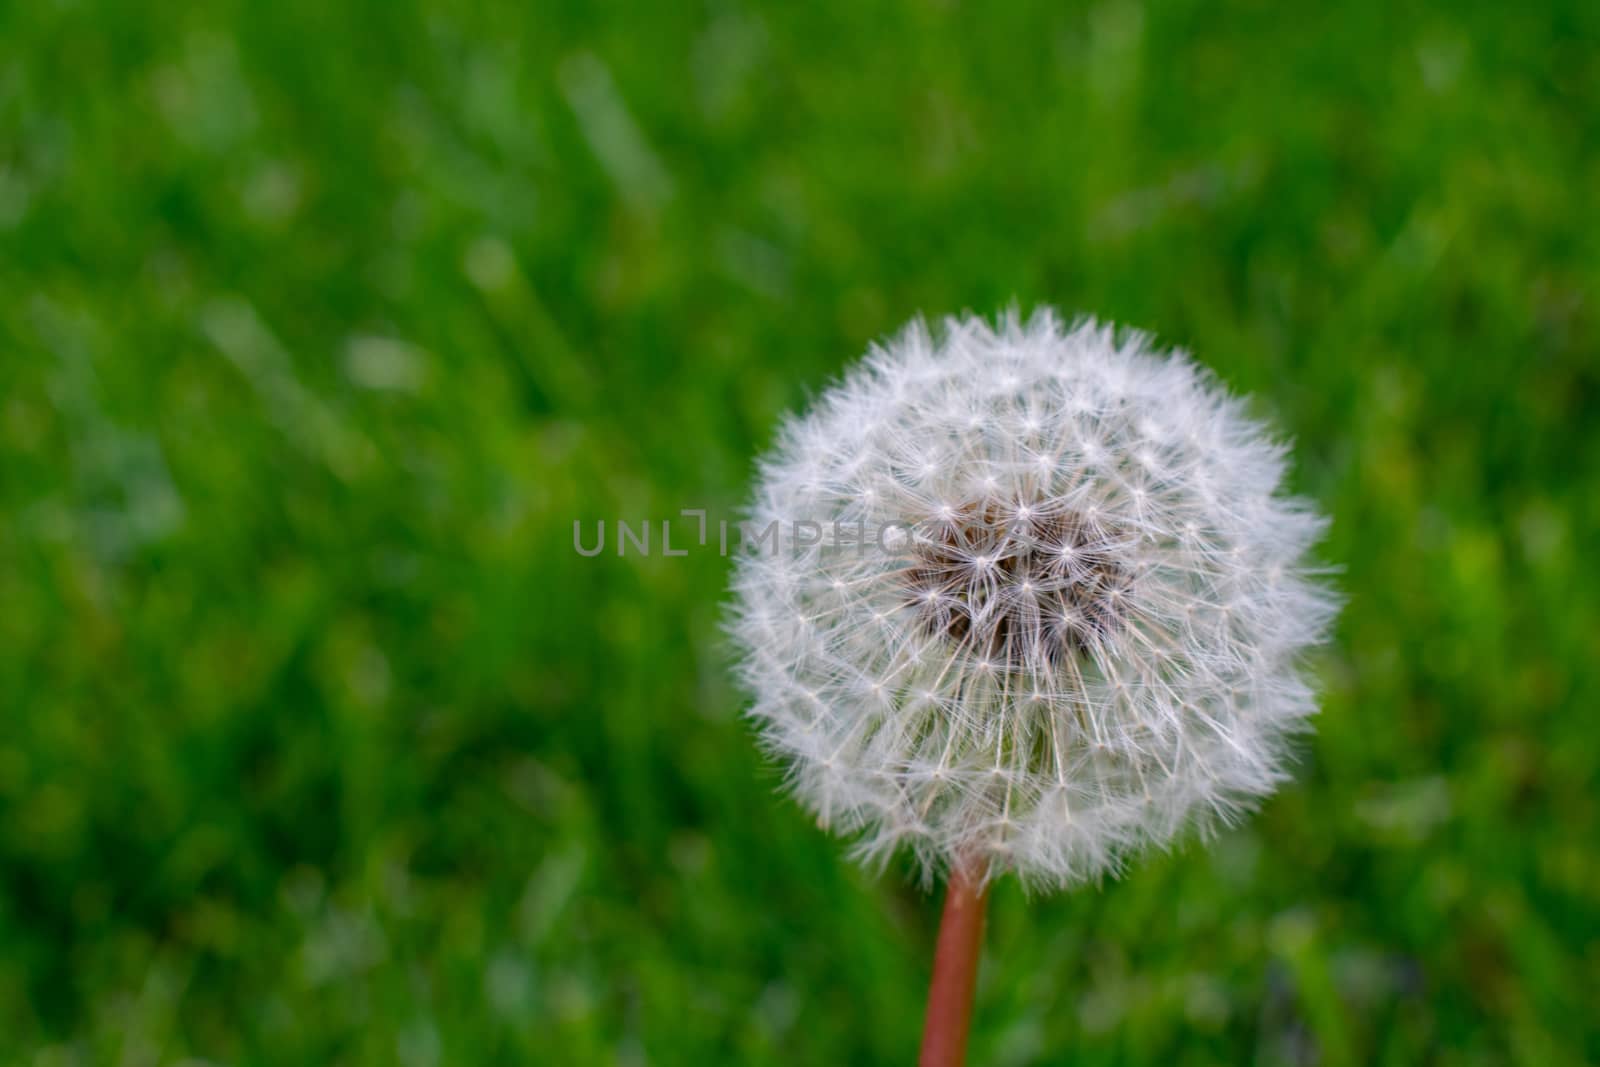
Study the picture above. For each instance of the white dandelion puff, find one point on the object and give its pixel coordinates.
(1084, 632)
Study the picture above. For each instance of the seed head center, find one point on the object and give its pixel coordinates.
(1019, 585)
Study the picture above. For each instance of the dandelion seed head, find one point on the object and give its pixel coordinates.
(1082, 634)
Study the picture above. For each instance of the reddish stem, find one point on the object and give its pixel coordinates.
(955, 970)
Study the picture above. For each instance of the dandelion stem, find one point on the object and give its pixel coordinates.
(955, 969)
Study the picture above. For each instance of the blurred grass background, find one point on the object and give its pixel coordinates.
(320, 324)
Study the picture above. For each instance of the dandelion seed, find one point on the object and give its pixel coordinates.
(1034, 613)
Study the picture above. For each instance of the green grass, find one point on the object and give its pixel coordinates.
(321, 323)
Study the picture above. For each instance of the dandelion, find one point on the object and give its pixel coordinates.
(1073, 629)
